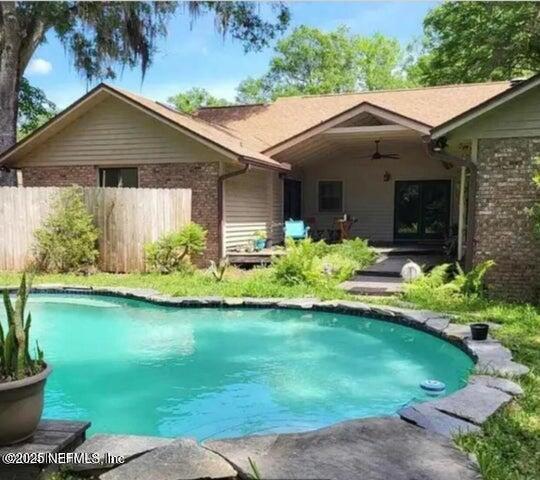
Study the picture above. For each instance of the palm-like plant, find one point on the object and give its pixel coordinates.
(15, 360)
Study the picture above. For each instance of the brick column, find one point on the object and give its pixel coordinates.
(504, 229)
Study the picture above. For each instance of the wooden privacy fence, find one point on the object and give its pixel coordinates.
(126, 217)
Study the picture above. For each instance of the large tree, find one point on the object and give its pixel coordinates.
(102, 36)
(34, 108)
(311, 61)
(479, 41)
(195, 98)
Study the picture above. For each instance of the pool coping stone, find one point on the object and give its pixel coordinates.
(462, 411)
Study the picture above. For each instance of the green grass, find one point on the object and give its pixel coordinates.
(237, 283)
(508, 448)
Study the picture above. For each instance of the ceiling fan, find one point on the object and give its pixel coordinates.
(378, 155)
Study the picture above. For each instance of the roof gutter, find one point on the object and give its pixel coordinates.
(281, 167)
(435, 151)
(221, 180)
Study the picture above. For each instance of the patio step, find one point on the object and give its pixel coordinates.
(372, 285)
(390, 266)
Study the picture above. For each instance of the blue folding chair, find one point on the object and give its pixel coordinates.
(296, 229)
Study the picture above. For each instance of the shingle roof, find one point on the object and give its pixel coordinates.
(272, 124)
(220, 135)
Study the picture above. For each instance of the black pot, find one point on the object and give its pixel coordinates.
(479, 331)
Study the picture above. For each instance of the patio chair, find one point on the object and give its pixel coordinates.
(296, 229)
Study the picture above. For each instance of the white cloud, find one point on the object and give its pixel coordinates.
(39, 66)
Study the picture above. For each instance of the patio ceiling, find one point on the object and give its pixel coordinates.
(359, 139)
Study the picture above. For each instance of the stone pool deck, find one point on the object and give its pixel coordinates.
(414, 444)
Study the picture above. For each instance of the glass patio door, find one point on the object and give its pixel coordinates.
(422, 210)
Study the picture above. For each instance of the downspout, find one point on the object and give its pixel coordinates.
(438, 154)
(221, 180)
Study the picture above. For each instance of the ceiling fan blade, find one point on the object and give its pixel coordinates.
(390, 155)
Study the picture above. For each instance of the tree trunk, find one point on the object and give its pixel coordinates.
(10, 50)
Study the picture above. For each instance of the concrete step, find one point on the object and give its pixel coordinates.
(372, 285)
(390, 266)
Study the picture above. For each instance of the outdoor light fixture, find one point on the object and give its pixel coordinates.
(387, 176)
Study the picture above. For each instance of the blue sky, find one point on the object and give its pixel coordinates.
(200, 57)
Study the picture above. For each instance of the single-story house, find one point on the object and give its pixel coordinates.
(457, 162)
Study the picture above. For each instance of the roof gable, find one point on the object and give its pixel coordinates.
(215, 136)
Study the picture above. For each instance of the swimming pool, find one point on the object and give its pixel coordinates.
(134, 367)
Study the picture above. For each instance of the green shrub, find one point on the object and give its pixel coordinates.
(67, 241)
(472, 283)
(357, 250)
(339, 266)
(310, 262)
(302, 262)
(443, 286)
(175, 251)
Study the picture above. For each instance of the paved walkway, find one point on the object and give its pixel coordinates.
(383, 277)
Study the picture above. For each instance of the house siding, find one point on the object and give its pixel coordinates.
(252, 201)
(367, 197)
(504, 228)
(519, 117)
(114, 132)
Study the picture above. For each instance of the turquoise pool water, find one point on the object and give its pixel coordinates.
(133, 367)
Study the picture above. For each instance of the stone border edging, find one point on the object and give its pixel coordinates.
(460, 412)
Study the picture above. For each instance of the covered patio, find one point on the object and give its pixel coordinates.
(373, 174)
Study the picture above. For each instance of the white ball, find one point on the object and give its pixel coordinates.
(410, 271)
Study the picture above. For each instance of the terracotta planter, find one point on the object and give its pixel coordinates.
(21, 405)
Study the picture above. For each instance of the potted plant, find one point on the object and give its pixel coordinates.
(22, 378)
(259, 240)
(479, 331)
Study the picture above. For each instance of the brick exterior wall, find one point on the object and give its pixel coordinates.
(504, 230)
(84, 175)
(201, 178)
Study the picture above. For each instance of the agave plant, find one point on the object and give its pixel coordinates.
(15, 360)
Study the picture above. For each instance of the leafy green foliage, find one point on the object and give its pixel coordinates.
(255, 470)
(311, 262)
(479, 41)
(310, 61)
(175, 251)
(193, 99)
(67, 240)
(357, 250)
(34, 108)
(338, 266)
(448, 289)
(535, 210)
(15, 360)
(472, 283)
(302, 263)
(218, 270)
(101, 36)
